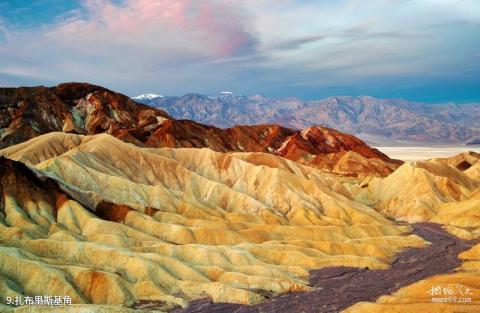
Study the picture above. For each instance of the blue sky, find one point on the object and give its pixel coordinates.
(34, 13)
(422, 50)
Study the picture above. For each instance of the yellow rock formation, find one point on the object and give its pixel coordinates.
(175, 225)
(419, 191)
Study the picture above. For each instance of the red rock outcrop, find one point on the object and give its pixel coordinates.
(82, 108)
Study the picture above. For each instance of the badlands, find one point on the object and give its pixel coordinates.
(124, 209)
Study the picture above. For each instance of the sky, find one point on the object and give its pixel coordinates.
(420, 50)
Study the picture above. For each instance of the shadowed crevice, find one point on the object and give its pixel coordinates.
(337, 288)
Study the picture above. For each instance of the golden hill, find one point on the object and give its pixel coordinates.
(444, 191)
(420, 190)
(111, 223)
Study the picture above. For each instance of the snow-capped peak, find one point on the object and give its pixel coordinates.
(227, 95)
(147, 96)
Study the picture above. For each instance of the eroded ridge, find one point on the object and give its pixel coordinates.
(337, 288)
(123, 225)
(115, 224)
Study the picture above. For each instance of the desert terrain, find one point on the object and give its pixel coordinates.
(425, 152)
(123, 208)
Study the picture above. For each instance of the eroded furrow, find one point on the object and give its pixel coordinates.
(337, 288)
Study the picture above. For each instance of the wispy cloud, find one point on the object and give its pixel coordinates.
(296, 43)
(122, 42)
(261, 46)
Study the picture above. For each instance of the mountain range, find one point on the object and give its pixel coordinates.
(123, 208)
(378, 121)
(88, 110)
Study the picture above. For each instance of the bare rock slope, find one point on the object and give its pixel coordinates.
(87, 109)
(112, 223)
(122, 207)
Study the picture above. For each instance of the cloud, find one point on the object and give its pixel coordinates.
(296, 43)
(192, 27)
(109, 39)
(250, 46)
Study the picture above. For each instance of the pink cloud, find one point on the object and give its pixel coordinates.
(172, 43)
(172, 28)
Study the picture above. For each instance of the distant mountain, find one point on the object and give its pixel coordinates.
(85, 109)
(374, 120)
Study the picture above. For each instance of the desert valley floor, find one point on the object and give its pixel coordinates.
(125, 209)
(426, 152)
